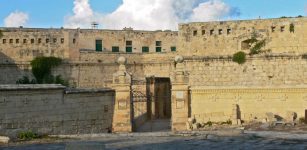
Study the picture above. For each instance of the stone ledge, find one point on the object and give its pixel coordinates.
(77, 91)
(10, 87)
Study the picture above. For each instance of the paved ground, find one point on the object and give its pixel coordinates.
(175, 143)
(156, 126)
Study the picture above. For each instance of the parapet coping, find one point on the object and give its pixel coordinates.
(8, 87)
(79, 90)
(246, 87)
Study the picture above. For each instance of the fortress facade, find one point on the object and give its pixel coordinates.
(202, 83)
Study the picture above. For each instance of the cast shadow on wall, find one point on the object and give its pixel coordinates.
(11, 71)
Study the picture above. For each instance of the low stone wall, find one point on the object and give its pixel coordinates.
(216, 104)
(50, 109)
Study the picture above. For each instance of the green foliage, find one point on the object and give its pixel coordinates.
(209, 123)
(25, 80)
(283, 17)
(59, 80)
(256, 49)
(41, 68)
(27, 135)
(291, 28)
(239, 57)
(228, 122)
(299, 16)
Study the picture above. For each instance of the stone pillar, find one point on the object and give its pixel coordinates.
(122, 107)
(180, 97)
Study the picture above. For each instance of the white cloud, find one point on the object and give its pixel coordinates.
(82, 17)
(211, 10)
(150, 14)
(16, 19)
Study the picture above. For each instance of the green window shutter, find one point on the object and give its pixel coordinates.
(99, 45)
(145, 49)
(173, 49)
(115, 49)
(158, 49)
(128, 49)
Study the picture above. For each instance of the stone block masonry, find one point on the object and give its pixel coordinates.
(50, 109)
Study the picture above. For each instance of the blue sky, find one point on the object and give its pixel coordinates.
(51, 13)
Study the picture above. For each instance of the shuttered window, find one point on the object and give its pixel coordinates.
(99, 45)
(145, 49)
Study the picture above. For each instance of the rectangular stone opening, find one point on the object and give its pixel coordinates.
(203, 32)
(32, 41)
(17, 41)
(228, 31)
(211, 32)
(24, 41)
(282, 28)
(220, 31)
(11, 41)
(47, 40)
(4, 41)
(195, 33)
(62, 40)
(273, 28)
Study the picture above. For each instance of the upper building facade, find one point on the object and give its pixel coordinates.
(284, 35)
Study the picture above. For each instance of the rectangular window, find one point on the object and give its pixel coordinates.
(39, 40)
(203, 32)
(54, 40)
(282, 29)
(115, 49)
(211, 32)
(195, 33)
(17, 41)
(128, 49)
(158, 49)
(32, 41)
(98, 45)
(220, 31)
(47, 40)
(62, 40)
(128, 43)
(158, 43)
(273, 29)
(4, 41)
(228, 31)
(11, 41)
(73, 41)
(173, 49)
(24, 40)
(145, 49)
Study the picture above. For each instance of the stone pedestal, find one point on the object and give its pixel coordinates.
(122, 108)
(180, 106)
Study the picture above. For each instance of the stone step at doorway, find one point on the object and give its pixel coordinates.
(159, 125)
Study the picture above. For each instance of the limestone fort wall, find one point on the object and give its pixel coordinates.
(283, 35)
(47, 109)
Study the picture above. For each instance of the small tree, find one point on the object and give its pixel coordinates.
(239, 57)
